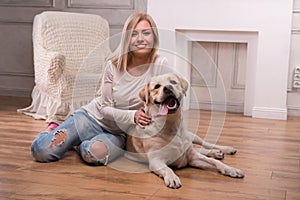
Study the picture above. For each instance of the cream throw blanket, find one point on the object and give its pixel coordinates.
(69, 57)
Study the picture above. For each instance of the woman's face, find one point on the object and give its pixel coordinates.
(142, 39)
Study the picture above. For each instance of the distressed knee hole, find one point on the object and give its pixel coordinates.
(99, 150)
(59, 138)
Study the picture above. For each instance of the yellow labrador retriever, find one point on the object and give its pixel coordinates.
(165, 141)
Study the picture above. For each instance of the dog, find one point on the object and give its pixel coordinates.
(166, 142)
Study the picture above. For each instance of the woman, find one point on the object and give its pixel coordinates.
(99, 128)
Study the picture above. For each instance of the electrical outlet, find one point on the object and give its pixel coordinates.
(296, 77)
(296, 84)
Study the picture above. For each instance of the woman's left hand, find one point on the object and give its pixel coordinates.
(141, 118)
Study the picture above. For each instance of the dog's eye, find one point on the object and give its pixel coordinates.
(157, 86)
(173, 82)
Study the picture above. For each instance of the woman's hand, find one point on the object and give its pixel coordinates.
(141, 118)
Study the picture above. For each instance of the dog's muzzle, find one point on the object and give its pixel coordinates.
(168, 106)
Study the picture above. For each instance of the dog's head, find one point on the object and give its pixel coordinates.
(166, 91)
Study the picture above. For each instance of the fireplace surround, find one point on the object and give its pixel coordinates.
(264, 25)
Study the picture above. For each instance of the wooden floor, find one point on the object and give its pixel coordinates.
(268, 153)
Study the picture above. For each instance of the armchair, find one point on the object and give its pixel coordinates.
(69, 56)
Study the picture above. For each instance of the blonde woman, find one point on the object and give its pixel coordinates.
(99, 128)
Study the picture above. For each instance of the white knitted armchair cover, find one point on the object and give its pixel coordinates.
(69, 56)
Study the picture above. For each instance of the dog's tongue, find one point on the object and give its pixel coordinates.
(164, 106)
(163, 109)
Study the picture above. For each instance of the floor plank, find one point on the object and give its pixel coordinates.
(268, 153)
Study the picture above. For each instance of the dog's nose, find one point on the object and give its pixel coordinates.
(168, 89)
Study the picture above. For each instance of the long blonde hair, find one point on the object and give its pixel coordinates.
(121, 56)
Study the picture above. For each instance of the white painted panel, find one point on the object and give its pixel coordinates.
(240, 62)
(297, 5)
(204, 71)
(230, 59)
(296, 21)
(232, 68)
(16, 48)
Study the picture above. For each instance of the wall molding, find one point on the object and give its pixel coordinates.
(102, 4)
(13, 22)
(22, 74)
(293, 110)
(236, 64)
(28, 3)
(295, 31)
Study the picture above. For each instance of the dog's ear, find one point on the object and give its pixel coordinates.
(144, 93)
(184, 84)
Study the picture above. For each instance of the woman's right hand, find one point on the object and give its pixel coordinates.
(140, 118)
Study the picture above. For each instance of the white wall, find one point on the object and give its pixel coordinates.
(270, 19)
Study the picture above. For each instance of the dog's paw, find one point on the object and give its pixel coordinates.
(172, 181)
(217, 154)
(232, 172)
(228, 150)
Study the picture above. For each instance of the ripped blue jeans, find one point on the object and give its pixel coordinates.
(79, 130)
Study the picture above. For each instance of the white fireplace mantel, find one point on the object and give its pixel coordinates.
(264, 25)
(250, 38)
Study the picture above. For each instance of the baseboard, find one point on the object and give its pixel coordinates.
(269, 113)
(257, 112)
(15, 92)
(293, 110)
